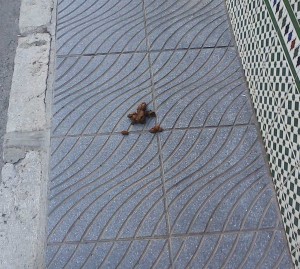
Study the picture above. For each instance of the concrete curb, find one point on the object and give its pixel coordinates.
(23, 188)
(35, 16)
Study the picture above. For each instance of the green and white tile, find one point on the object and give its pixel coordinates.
(267, 36)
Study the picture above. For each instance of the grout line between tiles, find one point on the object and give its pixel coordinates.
(165, 237)
(146, 131)
(141, 51)
(158, 140)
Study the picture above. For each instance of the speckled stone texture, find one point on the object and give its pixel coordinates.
(199, 194)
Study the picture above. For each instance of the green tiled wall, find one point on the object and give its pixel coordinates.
(267, 34)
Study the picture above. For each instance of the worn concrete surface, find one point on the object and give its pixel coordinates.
(9, 15)
(20, 208)
(23, 188)
(199, 194)
(35, 16)
(29, 81)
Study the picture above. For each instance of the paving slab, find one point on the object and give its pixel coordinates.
(108, 189)
(94, 93)
(87, 27)
(216, 181)
(186, 24)
(195, 88)
(124, 254)
(197, 195)
(264, 249)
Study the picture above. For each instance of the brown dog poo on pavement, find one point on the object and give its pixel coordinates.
(140, 117)
(141, 114)
(150, 114)
(125, 132)
(156, 129)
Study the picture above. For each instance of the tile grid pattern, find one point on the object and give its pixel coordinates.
(289, 31)
(196, 194)
(275, 96)
(296, 8)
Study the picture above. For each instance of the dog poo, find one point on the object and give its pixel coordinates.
(150, 114)
(125, 132)
(156, 129)
(140, 116)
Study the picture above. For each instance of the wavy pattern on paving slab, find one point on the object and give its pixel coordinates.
(96, 94)
(192, 196)
(115, 194)
(244, 250)
(186, 24)
(100, 26)
(216, 181)
(200, 88)
(138, 253)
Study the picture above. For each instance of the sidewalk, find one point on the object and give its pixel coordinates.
(199, 194)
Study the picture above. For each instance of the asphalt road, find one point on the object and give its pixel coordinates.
(9, 15)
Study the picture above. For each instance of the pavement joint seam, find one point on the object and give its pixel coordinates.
(166, 212)
(147, 131)
(172, 236)
(141, 51)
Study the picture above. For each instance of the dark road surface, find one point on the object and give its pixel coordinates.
(9, 15)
